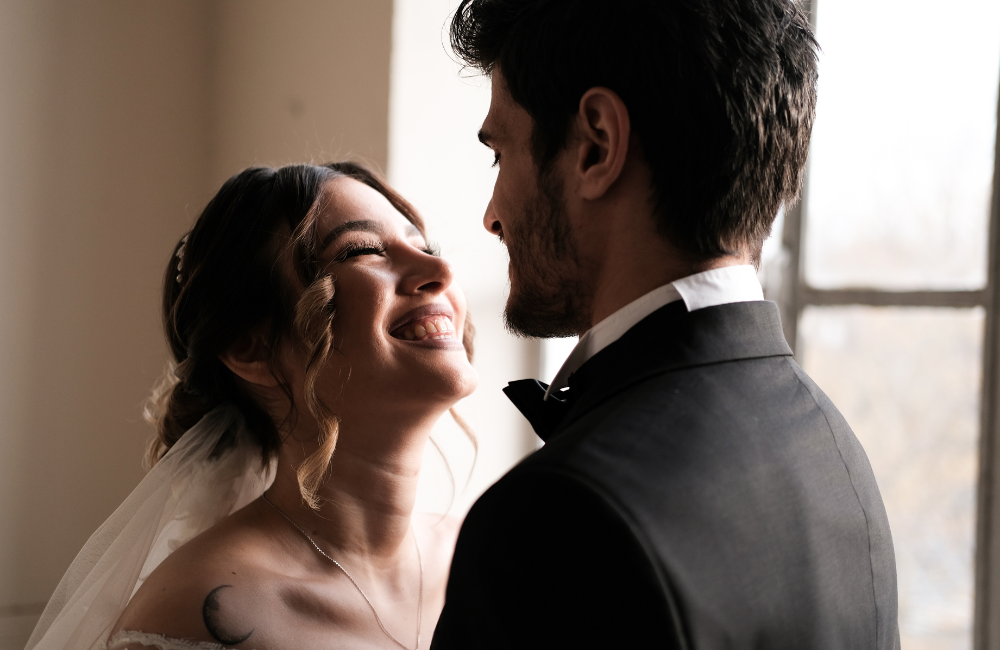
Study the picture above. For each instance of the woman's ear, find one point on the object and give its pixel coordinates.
(247, 358)
(603, 132)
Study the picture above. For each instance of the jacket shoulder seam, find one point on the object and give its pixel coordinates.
(798, 375)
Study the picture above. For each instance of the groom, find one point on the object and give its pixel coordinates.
(696, 489)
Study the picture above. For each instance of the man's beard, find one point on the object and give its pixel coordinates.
(546, 298)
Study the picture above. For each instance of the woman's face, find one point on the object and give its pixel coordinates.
(399, 316)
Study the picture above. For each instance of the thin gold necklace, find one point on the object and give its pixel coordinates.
(378, 619)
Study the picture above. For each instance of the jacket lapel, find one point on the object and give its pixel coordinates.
(673, 338)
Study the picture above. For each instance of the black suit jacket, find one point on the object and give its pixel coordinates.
(700, 492)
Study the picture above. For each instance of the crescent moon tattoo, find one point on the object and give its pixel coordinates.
(210, 613)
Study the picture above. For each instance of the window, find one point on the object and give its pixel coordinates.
(887, 276)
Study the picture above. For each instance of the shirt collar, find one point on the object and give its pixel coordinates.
(706, 289)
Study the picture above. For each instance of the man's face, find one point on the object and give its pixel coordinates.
(528, 213)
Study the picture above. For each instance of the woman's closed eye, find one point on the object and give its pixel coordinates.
(357, 249)
(360, 248)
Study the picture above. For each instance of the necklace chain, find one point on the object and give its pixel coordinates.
(420, 598)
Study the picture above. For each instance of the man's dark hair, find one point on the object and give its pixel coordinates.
(721, 95)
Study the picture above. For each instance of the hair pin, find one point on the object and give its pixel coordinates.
(180, 256)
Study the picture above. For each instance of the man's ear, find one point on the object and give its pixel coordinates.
(247, 358)
(603, 131)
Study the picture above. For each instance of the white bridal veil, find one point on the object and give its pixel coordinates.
(183, 495)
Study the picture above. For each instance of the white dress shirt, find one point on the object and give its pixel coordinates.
(707, 289)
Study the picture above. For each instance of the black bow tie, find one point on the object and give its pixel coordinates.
(528, 395)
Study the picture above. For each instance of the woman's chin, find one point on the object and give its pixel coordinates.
(447, 387)
(457, 384)
(435, 373)
(470, 386)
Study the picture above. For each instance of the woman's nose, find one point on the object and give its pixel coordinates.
(490, 221)
(428, 274)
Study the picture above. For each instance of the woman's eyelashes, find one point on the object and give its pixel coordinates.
(496, 159)
(357, 249)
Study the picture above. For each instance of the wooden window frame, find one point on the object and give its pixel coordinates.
(794, 294)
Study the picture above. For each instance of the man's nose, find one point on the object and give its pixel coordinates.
(490, 221)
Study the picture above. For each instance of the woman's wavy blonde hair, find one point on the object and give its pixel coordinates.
(226, 280)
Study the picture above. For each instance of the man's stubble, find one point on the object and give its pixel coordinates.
(547, 297)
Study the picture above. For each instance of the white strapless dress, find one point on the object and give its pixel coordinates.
(124, 640)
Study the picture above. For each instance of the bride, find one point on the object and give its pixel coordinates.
(317, 339)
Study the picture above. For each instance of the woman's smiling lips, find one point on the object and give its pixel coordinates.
(435, 327)
(431, 324)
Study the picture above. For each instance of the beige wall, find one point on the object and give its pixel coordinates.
(104, 124)
(118, 118)
(299, 80)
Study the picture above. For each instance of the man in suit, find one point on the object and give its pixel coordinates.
(696, 489)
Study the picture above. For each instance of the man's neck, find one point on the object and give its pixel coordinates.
(623, 256)
(631, 271)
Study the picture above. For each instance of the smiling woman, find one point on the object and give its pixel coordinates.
(307, 314)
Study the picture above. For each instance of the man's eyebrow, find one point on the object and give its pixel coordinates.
(366, 225)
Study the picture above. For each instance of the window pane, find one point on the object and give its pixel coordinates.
(907, 380)
(902, 156)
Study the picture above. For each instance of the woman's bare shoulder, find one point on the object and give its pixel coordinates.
(210, 590)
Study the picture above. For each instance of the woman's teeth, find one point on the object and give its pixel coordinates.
(439, 327)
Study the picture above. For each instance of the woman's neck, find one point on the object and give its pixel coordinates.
(366, 501)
